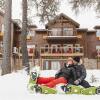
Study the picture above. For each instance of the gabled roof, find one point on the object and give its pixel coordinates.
(97, 27)
(66, 17)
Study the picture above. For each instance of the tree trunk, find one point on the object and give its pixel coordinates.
(6, 63)
(25, 60)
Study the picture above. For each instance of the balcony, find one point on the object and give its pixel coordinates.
(60, 35)
(61, 51)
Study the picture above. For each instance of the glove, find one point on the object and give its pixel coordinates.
(76, 82)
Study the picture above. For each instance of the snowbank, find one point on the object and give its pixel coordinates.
(14, 87)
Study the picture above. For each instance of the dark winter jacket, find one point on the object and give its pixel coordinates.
(80, 72)
(68, 72)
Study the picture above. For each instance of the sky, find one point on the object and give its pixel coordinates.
(86, 19)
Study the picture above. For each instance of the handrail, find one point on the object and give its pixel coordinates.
(61, 50)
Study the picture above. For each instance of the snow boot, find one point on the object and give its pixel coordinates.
(65, 88)
(72, 89)
(37, 88)
(32, 81)
(33, 76)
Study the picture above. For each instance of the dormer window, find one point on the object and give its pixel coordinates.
(68, 31)
(56, 32)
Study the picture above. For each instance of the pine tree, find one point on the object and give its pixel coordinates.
(6, 63)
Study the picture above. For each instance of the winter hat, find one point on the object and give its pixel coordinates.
(70, 59)
(77, 59)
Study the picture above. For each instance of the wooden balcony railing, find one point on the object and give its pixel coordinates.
(61, 51)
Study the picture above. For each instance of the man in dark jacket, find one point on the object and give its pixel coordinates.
(80, 73)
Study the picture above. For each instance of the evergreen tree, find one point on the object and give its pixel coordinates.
(6, 63)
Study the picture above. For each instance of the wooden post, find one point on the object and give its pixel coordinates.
(12, 32)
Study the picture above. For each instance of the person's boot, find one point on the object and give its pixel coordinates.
(65, 88)
(37, 88)
(33, 76)
(32, 81)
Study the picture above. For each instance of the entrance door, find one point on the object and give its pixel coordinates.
(46, 65)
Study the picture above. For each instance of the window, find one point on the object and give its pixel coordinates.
(65, 48)
(98, 33)
(77, 48)
(31, 33)
(98, 50)
(56, 31)
(46, 48)
(46, 65)
(30, 48)
(68, 48)
(55, 65)
(54, 48)
(68, 31)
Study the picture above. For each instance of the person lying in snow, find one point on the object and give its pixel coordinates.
(65, 75)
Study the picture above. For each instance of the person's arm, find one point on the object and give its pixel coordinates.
(83, 76)
(73, 74)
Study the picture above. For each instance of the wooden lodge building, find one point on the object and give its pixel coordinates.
(61, 38)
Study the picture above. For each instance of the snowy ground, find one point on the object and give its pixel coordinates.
(14, 87)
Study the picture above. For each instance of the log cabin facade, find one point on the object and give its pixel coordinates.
(63, 38)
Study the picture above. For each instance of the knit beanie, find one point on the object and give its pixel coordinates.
(77, 59)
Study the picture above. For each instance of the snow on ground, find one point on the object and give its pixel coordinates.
(14, 87)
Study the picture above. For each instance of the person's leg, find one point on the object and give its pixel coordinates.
(85, 84)
(44, 80)
(53, 83)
